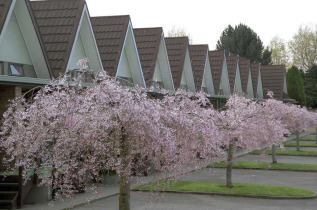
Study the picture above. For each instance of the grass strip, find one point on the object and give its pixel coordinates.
(307, 139)
(31, 172)
(263, 165)
(243, 189)
(293, 144)
(287, 153)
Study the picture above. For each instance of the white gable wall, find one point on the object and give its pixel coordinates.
(285, 85)
(85, 45)
(19, 41)
(220, 88)
(237, 81)
(225, 86)
(78, 53)
(124, 68)
(132, 59)
(157, 77)
(163, 65)
(188, 72)
(183, 80)
(249, 86)
(208, 80)
(259, 87)
(203, 84)
(12, 43)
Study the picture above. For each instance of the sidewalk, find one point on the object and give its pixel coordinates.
(107, 191)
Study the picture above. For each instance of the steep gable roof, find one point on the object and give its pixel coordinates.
(20, 34)
(255, 67)
(148, 42)
(110, 33)
(273, 80)
(176, 49)
(198, 55)
(232, 63)
(244, 67)
(58, 21)
(4, 9)
(216, 58)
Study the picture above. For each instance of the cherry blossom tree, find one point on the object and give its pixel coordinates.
(73, 130)
(294, 118)
(244, 127)
(302, 120)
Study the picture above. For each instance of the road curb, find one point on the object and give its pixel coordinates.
(313, 146)
(237, 195)
(271, 169)
(288, 155)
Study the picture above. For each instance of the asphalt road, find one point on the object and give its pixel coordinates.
(144, 201)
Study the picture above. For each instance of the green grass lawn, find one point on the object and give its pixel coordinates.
(287, 152)
(41, 171)
(263, 165)
(293, 144)
(9, 173)
(243, 189)
(307, 139)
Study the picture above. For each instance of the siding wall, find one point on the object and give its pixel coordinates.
(6, 93)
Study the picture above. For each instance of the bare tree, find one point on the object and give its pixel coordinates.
(303, 47)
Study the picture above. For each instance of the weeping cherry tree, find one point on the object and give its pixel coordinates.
(74, 130)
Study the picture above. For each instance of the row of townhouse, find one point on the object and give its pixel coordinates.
(40, 40)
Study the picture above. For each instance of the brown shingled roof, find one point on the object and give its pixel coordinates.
(4, 9)
(255, 76)
(198, 55)
(244, 67)
(232, 62)
(216, 59)
(58, 21)
(176, 49)
(110, 33)
(148, 41)
(273, 80)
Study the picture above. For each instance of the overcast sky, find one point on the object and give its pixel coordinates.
(204, 20)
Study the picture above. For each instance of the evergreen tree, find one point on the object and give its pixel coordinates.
(295, 85)
(267, 57)
(243, 41)
(310, 83)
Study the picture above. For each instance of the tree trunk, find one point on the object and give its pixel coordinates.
(229, 166)
(53, 182)
(316, 135)
(297, 141)
(124, 194)
(274, 161)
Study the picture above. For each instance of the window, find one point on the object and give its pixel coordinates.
(84, 76)
(204, 89)
(157, 85)
(125, 81)
(88, 78)
(16, 70)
